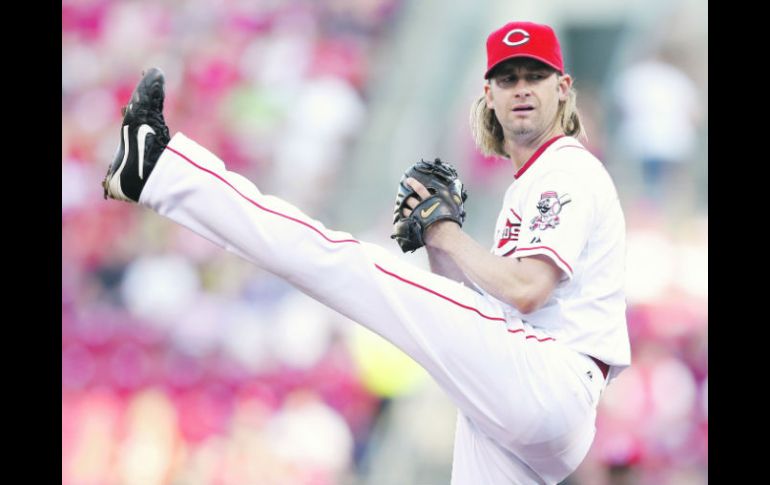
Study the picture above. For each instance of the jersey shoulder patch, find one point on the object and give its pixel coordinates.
(549, 207)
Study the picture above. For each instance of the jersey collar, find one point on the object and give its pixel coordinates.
(535, 156)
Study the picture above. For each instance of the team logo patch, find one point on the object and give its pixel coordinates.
(549, 206)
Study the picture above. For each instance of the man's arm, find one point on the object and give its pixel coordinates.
(525, 283)
(441, 263)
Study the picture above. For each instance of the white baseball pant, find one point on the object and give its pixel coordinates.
(526, 406)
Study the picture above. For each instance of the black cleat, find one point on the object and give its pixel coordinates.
(143, 137)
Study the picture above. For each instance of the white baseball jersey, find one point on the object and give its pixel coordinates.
(563, 205)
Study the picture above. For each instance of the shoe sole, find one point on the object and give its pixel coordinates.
(112, 186)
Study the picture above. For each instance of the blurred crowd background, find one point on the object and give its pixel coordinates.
(182, 364)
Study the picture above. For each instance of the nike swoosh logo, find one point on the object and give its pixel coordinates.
(141, 135)
(426, 212)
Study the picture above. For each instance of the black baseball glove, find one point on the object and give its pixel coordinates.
(445, 203)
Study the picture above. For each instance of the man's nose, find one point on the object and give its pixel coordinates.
(522, 90)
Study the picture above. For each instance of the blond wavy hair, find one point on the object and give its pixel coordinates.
(488, 133)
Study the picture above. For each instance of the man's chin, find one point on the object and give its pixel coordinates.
(522, 131)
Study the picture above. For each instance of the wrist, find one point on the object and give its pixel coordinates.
(441, 234)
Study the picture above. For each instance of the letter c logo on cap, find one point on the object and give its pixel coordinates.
(524, 39)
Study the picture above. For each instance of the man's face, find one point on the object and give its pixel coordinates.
(525, 95)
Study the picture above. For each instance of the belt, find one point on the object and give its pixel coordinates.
(602, 366)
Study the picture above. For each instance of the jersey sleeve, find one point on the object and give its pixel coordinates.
(556, 216)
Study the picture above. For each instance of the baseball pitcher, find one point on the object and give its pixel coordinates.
(522, 338)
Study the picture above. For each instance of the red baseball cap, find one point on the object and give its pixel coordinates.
(524, 39)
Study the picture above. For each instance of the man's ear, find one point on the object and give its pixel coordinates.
(488, 95)
(565, 83)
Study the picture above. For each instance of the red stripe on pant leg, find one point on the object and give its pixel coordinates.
(541, 340)
(437, 294)
(531, 336)
(260, 206)
(256, 204)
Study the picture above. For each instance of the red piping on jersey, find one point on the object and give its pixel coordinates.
(517, 216)
(535, 156)
(554, 252)
(335, 241)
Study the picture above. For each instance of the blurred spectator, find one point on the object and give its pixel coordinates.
(325, 453)
(659, 117)
(151, 447)
(322, 121)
